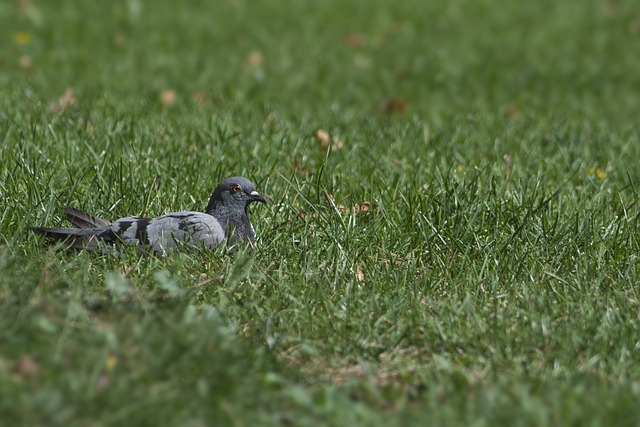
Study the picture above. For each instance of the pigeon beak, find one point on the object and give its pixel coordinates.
(257, 197)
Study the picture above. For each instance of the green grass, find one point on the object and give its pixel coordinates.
(478, 289)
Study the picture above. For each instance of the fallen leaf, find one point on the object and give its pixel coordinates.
(255, 59)
(359, 274)
(512, 111)
(361, 208)
(25, 61)
(26, 366)
(331, 201)
(168, 97)
(353, 40)
(68, 99)
(394, 105)
(325, 140)
(103, 382)
(323, 137)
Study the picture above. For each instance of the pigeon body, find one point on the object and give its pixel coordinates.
(225, 218)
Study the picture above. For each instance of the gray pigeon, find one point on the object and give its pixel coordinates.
(226, 213)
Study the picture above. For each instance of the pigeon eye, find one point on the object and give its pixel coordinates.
(236, 188)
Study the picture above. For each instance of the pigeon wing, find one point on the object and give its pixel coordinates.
(194, 229)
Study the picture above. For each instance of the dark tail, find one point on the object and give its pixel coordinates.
(70, 238)
(82, 219)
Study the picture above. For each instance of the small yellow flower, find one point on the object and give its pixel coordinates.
(22, 37)
(597, 172)
(110, 363)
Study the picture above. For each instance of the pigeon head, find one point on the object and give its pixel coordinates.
(234, 193)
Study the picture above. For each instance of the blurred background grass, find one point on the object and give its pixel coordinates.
(465, 296)
(307, 58)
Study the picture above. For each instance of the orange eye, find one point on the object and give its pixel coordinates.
(235, 188)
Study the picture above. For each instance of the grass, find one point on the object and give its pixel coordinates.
(492, 281)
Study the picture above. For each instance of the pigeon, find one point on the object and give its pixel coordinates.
(225, 218)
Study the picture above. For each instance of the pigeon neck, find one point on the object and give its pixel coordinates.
(232, 218)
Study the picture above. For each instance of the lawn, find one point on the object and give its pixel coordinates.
(452, 236)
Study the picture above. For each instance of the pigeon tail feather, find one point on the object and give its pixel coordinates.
(70, 237)
(82, 219)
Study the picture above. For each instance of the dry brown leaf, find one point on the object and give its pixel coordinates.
(359, 274)
(323, 137)
(339, 207)
(394, 105)
(353, 40)
(302, 214)
(68, 99)
(168, 97)
(325, 140)
(25, 61)
(255, 59)
(26, 366)
(103, 382)
(512, 111)
(361, 208)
